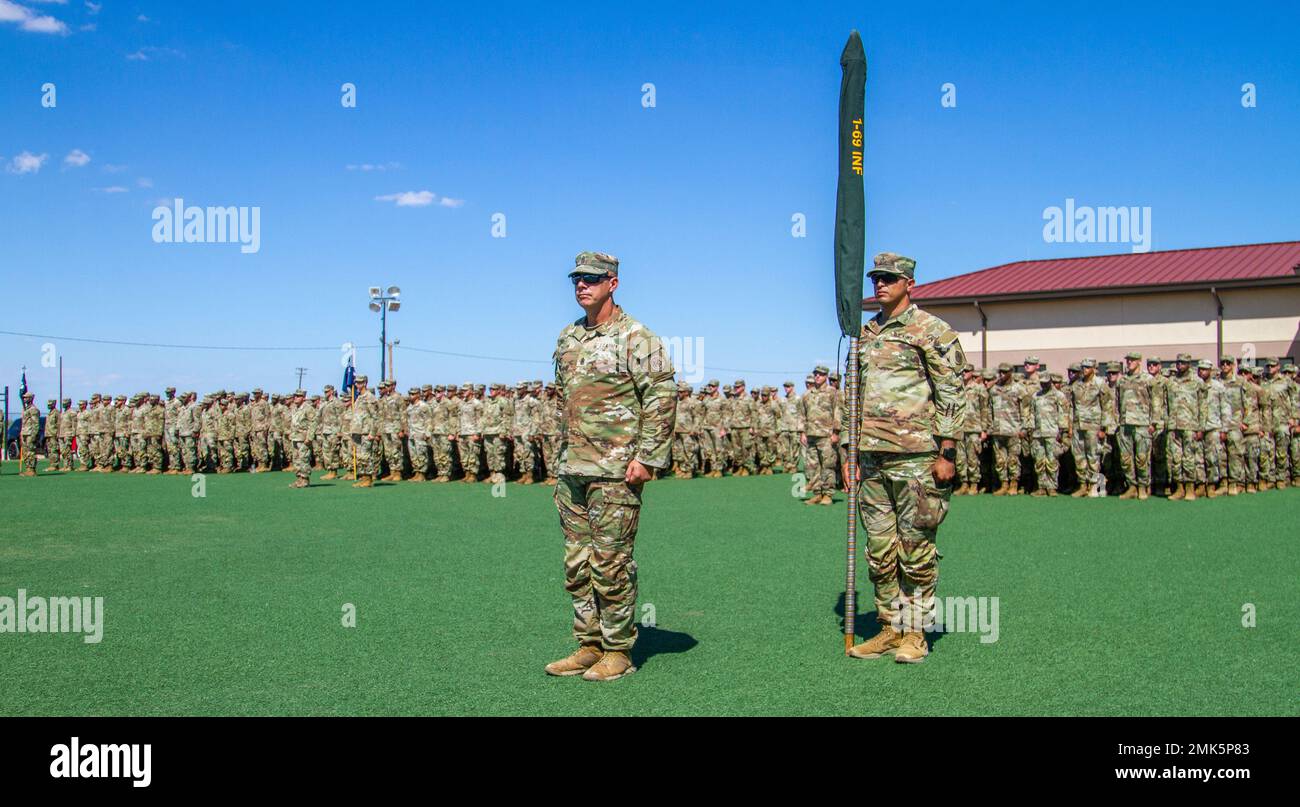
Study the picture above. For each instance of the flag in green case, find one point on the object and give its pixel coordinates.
(850, 207)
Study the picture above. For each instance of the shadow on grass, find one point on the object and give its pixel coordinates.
(865, 625)
(654, 641)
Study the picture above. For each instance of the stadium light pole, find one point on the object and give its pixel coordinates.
(383, 302)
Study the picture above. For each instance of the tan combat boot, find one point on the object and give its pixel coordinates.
(550, 480)
(1051, 491)
(913, 649)
(1039, 492)
(1178, 493)
(1081, 493)
(882, 644)
(612, 666)
(366, 481)
(1129, 493)
(1232, 489)
(1001, 489)
(826, 500)
(1189, 493)
(815, 499)
(328, 476)
(1144, 492)
(1211, 491)
(1015, 488)
(416, 477)
(577, 662)
(1280, 484)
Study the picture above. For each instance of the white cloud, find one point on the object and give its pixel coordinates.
(113, 189)
(389, 166)
(144, 182)
(409, 198)
(76, 159)
(445, 202)
(111, 168)
(93, 8)
(150, 53)
(90, 26)
(142, 18)
(26, 163)
(29, 20)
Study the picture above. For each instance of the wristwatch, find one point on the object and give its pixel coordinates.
(950, 454)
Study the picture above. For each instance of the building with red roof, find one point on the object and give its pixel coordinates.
(1242, 301)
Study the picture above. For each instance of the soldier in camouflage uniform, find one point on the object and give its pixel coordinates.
(1140, 413)
(1051, 420)
(302, 430)
(226, 435)
(243, 433)
(616, 384)
(171, 437)
(29, 433)
(767, 415)
(1291, 371)
(1216, 417)
(494, 426)
(1185, 422)
(1093, 419)
(469, 440)
(1283, 417)
(1252, 427)
(187, 433)
(84, 418)
(552, 417)
(791, 427)
(139, 405)
(912, 408)
(1010, 415)
(363, 427)
(446, 421)
(259, 431)
(419, 413)
(67, 433)
(154, 428)
(1232, 460)
(821, 416)
(101, 439)
(684, 429)
(118, 419)
(330, 427)
(740, 427)
(52, 436)
(974, 430)
(712, 429)
(1160, 479)
(523, 432)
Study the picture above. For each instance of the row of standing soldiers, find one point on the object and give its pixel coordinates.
(1185, 431)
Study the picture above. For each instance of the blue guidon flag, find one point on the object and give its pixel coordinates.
(349, 380)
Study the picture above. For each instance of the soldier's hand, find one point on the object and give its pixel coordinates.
(943, 471)
(637, 474)
(844, 472)
(1200, 435)
(803, 439)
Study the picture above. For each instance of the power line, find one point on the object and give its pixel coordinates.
(454, 354)
(157, 344)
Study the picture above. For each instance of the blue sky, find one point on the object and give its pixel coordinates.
(535, 112)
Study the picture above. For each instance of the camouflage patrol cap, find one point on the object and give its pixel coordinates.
(1090, 362)
(1226, 359)
(682, 386)
(809, 379)
(1205, 364)
(51, 402)
(427, 388)
(1271, 362)
(1004, 368)
(479, 387)
(987, 374)
(467, 385)
(835, 376)
(787, 383)
(968, 368)
(1289, 369)
(1183, 357)
(739, 382)
(1133, 354)
(595, 263)
(81, 402)
(1153, 360)
(550, 385)
(821, 369)
(413, 391)
(361, 379)
(170, 389)
(891, 263)
(713, 382)
(1057, 378)
(315, 398)
(329, 388)
(1114, 367)
(1032, 360)
(67, 402)
(1246, 369)
(94, 396)
(300, 393)
(122, 398)
(439, 387)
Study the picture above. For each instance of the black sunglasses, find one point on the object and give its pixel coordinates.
(884, 280)
(590, 280)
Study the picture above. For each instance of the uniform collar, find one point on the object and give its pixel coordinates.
(605, 327)
(905, 317)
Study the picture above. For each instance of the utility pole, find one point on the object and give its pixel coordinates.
(382, 302)
(301, 371)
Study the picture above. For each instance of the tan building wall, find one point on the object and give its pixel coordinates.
(1257, 322)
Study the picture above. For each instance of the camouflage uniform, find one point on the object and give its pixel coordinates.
(259, 431)
(1215, 412)
(766, 420)
(740, 428)
(910, 398)
(711, 445)
(617, 392)
(1232, 462)
(302, 430)
(171, 436)
(363, 427)
(549, 428)
(1051, 419)
(822, 414)
(67, 433)
(791, 428)
(975, 426)
(330, 428)
(1140, 412)
(1279, 393)
(1010, 414)
(494, 426)
(84, 452)
(1093, 413)
(684, 430)
(1184, 420)
(443, 424)
(469, 438)
(187, 426)
(418, 417)
(29, 434)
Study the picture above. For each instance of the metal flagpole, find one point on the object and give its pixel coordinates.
(354, 445)
(850, 583)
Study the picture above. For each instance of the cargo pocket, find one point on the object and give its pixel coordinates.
(931, 504)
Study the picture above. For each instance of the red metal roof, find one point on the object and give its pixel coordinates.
(1171, 268)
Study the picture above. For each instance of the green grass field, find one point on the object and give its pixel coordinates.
(232, 603)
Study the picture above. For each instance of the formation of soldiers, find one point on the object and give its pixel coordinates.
(1135, 429)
